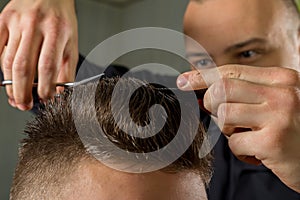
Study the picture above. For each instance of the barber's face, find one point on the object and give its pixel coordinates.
(94, 181)
(255, 32)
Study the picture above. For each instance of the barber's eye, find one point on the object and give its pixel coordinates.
(248, 54)
(204, 63)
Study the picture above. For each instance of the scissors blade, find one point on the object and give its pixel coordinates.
(66, 84)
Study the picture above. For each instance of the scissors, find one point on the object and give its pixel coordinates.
(74, 84)
(67, 84)
(199, 93)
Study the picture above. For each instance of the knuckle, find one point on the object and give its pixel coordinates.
(21, 69)
(30, 19)
(8, 62)
(220, 88)
(223, 110)
(47, 61)
(285, 76)
(54, 22)
(50, 22)
(193, 79)
(285, 107)
(47, 68)
(293, 77)
(283, 103)
(8, 13)
(235, 143)
(54, 30)
(290, 98)
(273, 140)
(21, 62)
(54, 17)
(232, 71)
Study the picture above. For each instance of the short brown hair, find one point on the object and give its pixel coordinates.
(53, 149)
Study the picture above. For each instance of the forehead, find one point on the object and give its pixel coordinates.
(233, 19)
(220, 11)
(96, 181)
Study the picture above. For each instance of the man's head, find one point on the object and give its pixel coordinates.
(54, 163)
(254, 32)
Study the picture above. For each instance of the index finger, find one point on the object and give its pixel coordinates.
(201, 79)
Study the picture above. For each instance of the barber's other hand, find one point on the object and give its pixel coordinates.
(261, 114)
(37, 37)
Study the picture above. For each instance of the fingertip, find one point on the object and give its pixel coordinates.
(183, 82)
(25, 107)
(59, 90)
(12, 102)
(46, 93)
(22, 95)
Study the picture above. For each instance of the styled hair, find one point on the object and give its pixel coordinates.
(52, 150)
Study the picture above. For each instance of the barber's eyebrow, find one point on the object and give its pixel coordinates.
(244, 44)
(196, 54)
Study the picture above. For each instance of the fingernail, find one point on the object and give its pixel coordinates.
(12, 102)
(25, 107)
(181, 81)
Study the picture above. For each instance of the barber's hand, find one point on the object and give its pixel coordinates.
(261, 114)
(37, 38)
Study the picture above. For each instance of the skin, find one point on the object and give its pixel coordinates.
(43, 33)
(93, 181)
(256, 46)
(38, 39)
